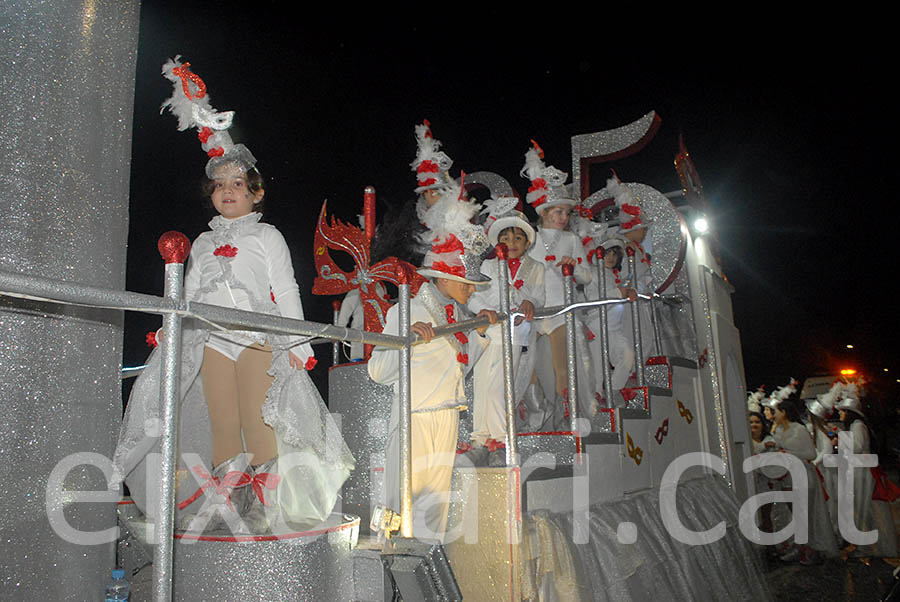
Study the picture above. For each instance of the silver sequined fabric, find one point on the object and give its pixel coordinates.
(65, 140)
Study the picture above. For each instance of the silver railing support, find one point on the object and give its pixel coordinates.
(336, 345)
(512, 447)
(636, 323)
(604, 328)
(174, 248)
(405, 411)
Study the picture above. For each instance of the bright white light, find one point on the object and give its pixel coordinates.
(701, 225)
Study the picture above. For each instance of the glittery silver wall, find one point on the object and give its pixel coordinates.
(67, 77)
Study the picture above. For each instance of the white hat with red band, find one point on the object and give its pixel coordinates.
(547, 182)
(191, 105)
(457, 255)
(502, 214)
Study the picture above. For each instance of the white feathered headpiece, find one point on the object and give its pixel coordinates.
(191, 105)
(754, 399)
(783, 393)
(457, 245)
(431, 164)
(630, 214)
(547, 182)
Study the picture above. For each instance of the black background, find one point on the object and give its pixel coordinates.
(788, 123)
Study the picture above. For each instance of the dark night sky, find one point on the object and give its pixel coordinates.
(783, 133)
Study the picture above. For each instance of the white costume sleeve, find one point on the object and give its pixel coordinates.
(384, 365)
(860, 437)
(796, 440)
(582, 266)
(280, 271)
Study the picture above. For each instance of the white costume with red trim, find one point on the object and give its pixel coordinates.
(437, 396)
(246, 265)
(527, 284)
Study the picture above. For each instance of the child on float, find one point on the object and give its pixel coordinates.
(555, 246)
(633, 227)
(249, 409)
(791, 436)
(526, 290)
(868, 514)
(621, 339)
(438, 368)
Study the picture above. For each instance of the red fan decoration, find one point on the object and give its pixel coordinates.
(332, 280)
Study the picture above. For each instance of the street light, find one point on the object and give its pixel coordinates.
(701, 225)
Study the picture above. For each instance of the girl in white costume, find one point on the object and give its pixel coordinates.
(526, 291)
(868, 514)
(792, 437)
(819, 410)
(249, 410)
(555, 246)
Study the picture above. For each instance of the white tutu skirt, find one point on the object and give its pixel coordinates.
(313, 460)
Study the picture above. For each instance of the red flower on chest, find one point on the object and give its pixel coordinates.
(225, 251)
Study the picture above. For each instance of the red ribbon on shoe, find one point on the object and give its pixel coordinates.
(224, 486)
(269, 480)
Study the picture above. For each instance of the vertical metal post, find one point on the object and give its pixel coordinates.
(654, 321)
(568, 272)
(404, 392)
(336, 346)
(512, 447)
(604, 328)
(174, 248)
(636, 323)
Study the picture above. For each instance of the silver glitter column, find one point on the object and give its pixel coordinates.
(571, 362)
(65, 142)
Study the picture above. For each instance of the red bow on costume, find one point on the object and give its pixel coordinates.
(550, 258)
(514, 266)
(518, 284)
(462, 358)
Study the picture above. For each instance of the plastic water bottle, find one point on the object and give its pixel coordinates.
(118, 589)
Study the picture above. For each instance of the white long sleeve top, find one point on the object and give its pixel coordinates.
(244, 264)
(550, 246)
(437, 373)
(526, 285)
(795, 440)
